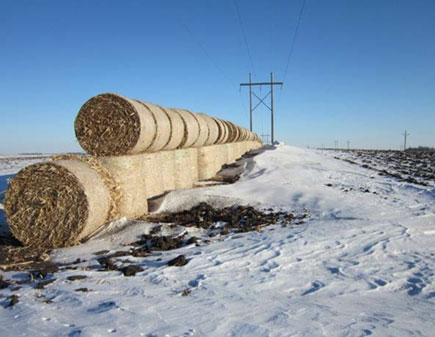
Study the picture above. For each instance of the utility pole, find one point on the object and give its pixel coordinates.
(250, 103)
(261, 101)
(336, 144)
(271, 107)
(348, 143)
(406, 134)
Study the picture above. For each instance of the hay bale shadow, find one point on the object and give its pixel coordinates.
(4, 227)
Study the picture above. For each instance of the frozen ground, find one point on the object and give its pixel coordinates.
(363, 264)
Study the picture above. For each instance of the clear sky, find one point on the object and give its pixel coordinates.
(362, 71)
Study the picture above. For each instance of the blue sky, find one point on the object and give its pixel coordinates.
(362, 71)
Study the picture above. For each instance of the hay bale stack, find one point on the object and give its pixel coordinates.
(141, 150)
(61, 202)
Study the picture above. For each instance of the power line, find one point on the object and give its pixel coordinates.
(244, 35)
(200, 45)
(292, 46)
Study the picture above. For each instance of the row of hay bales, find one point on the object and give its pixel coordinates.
(62, 202)
(112, 125)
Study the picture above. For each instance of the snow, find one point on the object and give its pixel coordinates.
(363, 264)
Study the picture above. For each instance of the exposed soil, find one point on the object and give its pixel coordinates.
(13, 256)
(179, 261)
(416, 167)
(237, 218)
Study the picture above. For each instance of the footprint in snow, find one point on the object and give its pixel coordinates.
(196, 282)
(271, 266)
(315, 286)
(414, 286)
(103, 307)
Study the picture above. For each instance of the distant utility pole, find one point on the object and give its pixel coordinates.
(261, 100)
(406, 134)
(336, 144)
(348, 143)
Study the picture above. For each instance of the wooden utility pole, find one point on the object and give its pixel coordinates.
(271, 108)
(348, 143)
(261, 101)
(406, 134)
(250, 103)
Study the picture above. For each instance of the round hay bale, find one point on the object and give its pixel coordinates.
(208, 161)
(183, 169)
(203, 131)
(110, 124)
(56, 204)
(191, 128)
(163, 129)
(235, 132)
(231, 152)
(167, 170)
(221, 132)
(244, 135)
(231, 132)
(213, 129)
(193, 152)
(138, 177)
(177, 129)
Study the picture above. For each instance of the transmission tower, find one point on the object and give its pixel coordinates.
(261, 101)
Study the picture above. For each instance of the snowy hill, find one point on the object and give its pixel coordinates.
(361, 264)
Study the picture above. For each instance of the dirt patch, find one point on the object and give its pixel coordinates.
(13, 256)
(179, 261)
(236, 218)
(416, 167)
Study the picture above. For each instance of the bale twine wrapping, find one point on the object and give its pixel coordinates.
(56, 204)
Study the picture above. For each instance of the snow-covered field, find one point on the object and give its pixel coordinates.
(362, 264)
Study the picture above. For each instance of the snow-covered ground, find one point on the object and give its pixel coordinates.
(363, 264)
